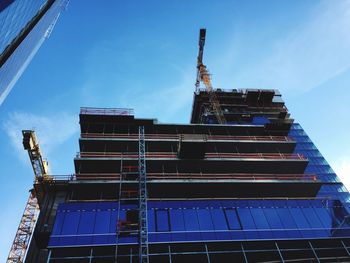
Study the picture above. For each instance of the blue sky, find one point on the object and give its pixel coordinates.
(142, 55)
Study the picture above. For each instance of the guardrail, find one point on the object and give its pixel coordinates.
(170, 155)
(257, 155)
(177, 136)
(190, 176)
(106, 111)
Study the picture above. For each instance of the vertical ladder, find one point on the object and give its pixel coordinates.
(143, 231)
(119, 206)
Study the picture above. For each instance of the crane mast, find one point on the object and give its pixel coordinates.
(203, 76)
(26, 226)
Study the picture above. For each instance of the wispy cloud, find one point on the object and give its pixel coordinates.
(169, 104)
(114, 77)
(312, 53)
(51, 130)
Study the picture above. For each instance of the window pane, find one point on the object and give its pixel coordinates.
(86, 224)
(162, 219)
(151, 220)
(272, 218)
(113, 221)
(191, 219)
(312, 218)
(58, 223)
(102, 222)
(219, 219)
(286, 218)
(246, 218)
(177, 220)
(299, 218)
(205, 221)
(324, 216)
(232, 219)
(259, 218)
(71, 222)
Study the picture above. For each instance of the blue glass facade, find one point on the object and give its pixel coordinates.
(325, 216)
(15, 18)
(95, 223)
(332, 187)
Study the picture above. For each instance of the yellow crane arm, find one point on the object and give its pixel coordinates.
(203, 75)
(40, 166)
(31, 212)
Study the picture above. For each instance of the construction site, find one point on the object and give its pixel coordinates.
(242, 182)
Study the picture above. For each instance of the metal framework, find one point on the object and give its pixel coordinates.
(24, 232)
(119, 205)
(211, 155)
(195, 176)
(30, 143)
(176, 137)
(130, 194)
(26, 226)
(106, 111)
(143, 198)
(204, 76)
(276, 251)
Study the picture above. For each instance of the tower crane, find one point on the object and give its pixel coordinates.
(26, 226)
(204, 76)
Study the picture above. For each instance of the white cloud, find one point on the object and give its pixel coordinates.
(315, 51)
(51, 131)
(342, 169)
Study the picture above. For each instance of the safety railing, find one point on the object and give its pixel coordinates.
(235, 176)
(177, 136)
(170, 155)
(191, 176)
(129, 136)
(125, 155)
(293, 156)
(106, 111)
(250, 138)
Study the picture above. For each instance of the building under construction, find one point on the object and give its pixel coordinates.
(242, 182)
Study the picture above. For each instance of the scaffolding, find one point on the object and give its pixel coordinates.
(126, 194)
(207, 156)
(136, 220)
(195, 176)
(143, 198)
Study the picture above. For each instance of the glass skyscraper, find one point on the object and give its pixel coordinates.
(24, 25)
(254, 189)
